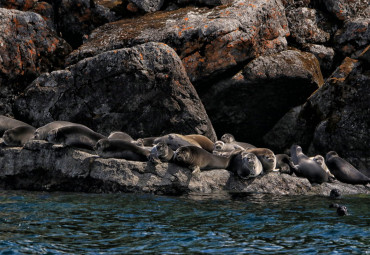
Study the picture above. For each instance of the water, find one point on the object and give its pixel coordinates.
(78, 223)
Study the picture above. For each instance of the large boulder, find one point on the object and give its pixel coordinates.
(209, 42)
(41, 166)
(28, 47)
(344, 9)
(142, 90)
(335, 117)
(249, 104)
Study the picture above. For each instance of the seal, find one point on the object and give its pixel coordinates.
(203, 141)
(197, 159)
(76, 136)
(146, 141)
(321, 162)
(225, 149)
(229, 138)
(117, 148)
(267, 158)
(335, 194)
(174, 141)
(252, 163)
(343, 170)
(9, 123)
(284, 163)
(121, 136)
(161, 153)
(41, 133)
(341, 209)
(307, 167)
(18, 136)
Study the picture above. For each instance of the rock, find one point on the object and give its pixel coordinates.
(304, 25)
(335, 117)
(142, 90)
(203, 2)
(249, 104)
(28, 47)
(41, 166)
(324, 54)
(295, 3)
(344, 9)
(148, 5)
(354, 36)
(209, 42)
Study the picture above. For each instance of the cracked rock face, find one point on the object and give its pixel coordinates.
(43, 166)
(208, 41)
(250, 103)
(344, 9)
(142, 90)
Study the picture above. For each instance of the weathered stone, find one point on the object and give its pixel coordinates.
(28, 47)
(203, 2)
(304, 27)
(344, 9)
(41, 166)
(354, 36)
(209, 41)
(335, 117)
(295, 3)
(249, 104)
(324, 54)
(142, 90)
(148, 5)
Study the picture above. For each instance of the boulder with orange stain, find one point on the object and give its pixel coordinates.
(345, 9)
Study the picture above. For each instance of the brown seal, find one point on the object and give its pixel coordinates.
(161, 153)
(203, 141)
(267, 158)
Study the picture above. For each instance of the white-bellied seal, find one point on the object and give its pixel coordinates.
(117, 148)
(321, 162)
(267, 158)
(229, 138)
(18, 136)
(284, 163)
(41, 133)
(9, 123)
(225, 149)
(252, 163)
(76, 136)
(203, 141)
(307, 167)
(343, 170)
(121, 136)
(197, 159)
(161, 153)
(174, 141)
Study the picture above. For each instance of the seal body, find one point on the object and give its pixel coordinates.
(174, 141)
(344, 171)
(76, 136)
(307, 167)
(229, 138)
(41, 133)
(284, 163)
(117, 148)
(199, 159)
(321, 162)
(9, 123)
(161, 153)
(267, 158)
(225, 149)
(121, 136)
(18, 136)
(203, 141)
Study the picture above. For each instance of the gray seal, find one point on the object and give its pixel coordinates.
(321, 162)
(307, 167)
(267, 158)
(229, 138)
(18, 136)
(9, 123)
(174, 141)
(252, 163)
(343, 170)
(41, 133)
(121, 136)
(197, 159)
(225, 149)
(284, 163)
(161, 152)
(117, 148)
(75, 136)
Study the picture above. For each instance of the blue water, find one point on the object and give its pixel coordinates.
(78, 223)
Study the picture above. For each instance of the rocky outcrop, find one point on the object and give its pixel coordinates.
(42, 166)
(142, 90)
(28, 47)
(148, 5)
(209, 42)
(249, 104)
(343, 9)
(324, 54)
(335, 117)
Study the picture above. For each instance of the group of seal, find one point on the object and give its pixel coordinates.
(197, 152)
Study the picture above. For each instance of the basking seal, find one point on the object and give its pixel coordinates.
(197, 159)
(18, 136)
(9, 123)
(229, 138)
(321, 162)
(225, 149)
(121, 136)
(146, 141)
(174, 141)
(41, 133)
(161, 153)
(250, 165)
(307, 167)
(202, 140)
(76, 136)
(343, 170)
(267, 158)
(284, 163)
(117, 148)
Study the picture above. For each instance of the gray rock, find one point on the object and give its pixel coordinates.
(249, 104)
(148, 5)
(344, 9)
(324, 54)
(142, 90)
(203, 2)
(208, 41)
(41, 166)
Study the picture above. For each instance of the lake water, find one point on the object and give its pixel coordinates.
(78, 223)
